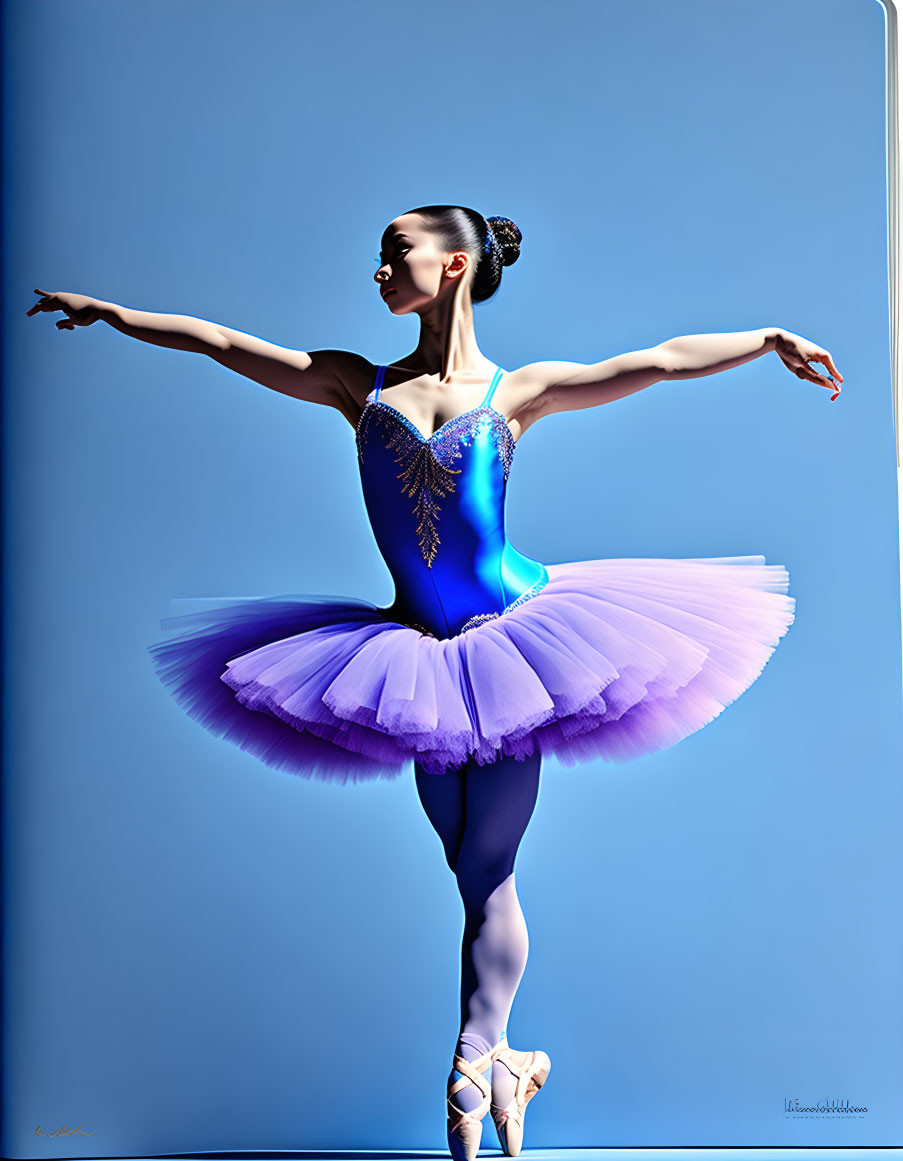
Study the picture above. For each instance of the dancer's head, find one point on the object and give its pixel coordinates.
(435, 250)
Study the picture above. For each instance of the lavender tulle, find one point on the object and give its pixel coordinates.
(613, 659)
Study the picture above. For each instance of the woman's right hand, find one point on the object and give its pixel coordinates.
(80, 310)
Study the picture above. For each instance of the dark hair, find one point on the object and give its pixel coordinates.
(491, 242)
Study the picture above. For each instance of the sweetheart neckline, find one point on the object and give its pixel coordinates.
(454, 419)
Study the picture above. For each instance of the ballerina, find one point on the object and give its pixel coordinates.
(486, 659)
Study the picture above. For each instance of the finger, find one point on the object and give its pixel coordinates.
(820, 379)
(814, 374)
(64, 324)
(804, 371)
(46, 303)
(46, 293)
(829, 363)
(825, 359)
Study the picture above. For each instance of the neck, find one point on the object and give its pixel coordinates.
(448, 344)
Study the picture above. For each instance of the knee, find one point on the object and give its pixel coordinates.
(480, 868)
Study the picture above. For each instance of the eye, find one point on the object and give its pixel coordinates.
(397, 252)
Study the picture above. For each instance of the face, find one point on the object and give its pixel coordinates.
(414, 269)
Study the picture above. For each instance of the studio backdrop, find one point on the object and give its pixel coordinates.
(203, 953)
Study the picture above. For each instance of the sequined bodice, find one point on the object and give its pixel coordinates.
(437, 508)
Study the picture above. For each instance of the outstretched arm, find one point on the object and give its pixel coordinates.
(334, 378)
(693, 355)
(556, 386)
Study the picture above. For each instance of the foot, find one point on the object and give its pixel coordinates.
(528, 1071)
(504, 1081)
(469, 1095)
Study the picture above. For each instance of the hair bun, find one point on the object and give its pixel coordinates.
(508, 237)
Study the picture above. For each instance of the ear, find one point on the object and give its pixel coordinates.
(458, 262)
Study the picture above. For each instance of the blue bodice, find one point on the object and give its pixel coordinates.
(437, 509)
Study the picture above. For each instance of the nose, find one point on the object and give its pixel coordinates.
(383, 273)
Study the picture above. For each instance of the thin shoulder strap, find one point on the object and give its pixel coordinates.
(492, 386)
(380, 372)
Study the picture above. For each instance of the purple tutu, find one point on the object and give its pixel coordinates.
(612, 659)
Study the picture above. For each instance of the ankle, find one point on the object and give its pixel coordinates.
(476, 1042)
(468, 1097)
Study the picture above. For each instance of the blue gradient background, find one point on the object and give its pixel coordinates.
(203, 954)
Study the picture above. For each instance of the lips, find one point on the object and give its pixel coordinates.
(386, 293)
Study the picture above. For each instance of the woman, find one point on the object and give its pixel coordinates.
(486, 659)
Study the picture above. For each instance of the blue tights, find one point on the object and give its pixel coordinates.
(480, 814)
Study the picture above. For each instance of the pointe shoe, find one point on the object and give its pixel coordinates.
(531, 1070)
(466, 1129)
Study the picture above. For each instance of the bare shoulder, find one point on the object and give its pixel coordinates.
(351, 377)
(528, 392)
(539, 389)
(334, 378)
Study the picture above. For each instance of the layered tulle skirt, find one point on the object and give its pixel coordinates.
(612, 659)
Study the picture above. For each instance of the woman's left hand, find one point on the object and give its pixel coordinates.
(797, 353)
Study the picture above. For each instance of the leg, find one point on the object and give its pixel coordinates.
(442, 797)
(499, 802)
